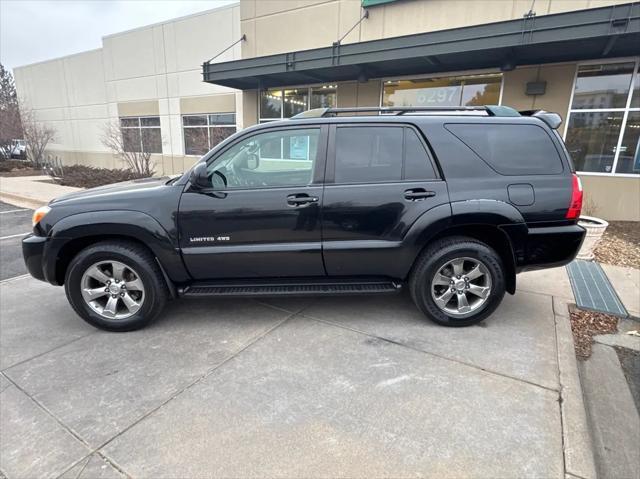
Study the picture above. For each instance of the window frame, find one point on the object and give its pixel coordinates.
(330, 174)
(625, 113)
(140, 127)
(207, 126)
(309, 89)
(317, 176)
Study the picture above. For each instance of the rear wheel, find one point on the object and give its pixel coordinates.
(116, 286)
(458, 281)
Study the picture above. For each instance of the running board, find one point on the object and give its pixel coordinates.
(329, 288)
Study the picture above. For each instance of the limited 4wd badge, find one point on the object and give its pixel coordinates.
(208, 239)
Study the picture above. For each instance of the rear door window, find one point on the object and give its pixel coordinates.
(373, 154)
(368, 154)
(511, 149)
(417, 164)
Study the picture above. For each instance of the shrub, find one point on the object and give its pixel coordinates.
(89, 177)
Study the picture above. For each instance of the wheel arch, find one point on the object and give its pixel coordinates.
(495, 223)
(493, 237)
(74, 233)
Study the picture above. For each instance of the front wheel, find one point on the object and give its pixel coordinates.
(116, 286)
(458, 281)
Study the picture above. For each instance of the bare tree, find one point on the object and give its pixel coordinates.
(37, 135)
(128, 147)
(10, 124)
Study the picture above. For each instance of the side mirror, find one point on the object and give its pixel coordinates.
(199, 178)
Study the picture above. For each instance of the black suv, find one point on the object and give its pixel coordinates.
(450, 203)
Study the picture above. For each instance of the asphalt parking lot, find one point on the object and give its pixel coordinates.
(331, 387)
(15, 222)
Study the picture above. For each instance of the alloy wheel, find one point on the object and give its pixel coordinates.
(112, 289)
(461, 286)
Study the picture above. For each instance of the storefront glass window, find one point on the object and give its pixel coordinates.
(295, 101)
(450, 91)
(323, 96)
(602, 86)
(271, 104)
(635, 99)
(279, 104)
(592, 139)
(629, 158)
(604, 119)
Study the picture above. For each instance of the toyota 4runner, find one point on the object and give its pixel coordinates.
(450, 203)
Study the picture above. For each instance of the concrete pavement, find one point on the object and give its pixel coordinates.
(626, 281)
(15, 222)
(31, 191)
(332, 387)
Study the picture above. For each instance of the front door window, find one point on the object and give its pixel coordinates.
(282, 158)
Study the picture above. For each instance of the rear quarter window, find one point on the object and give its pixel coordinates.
(510, 149)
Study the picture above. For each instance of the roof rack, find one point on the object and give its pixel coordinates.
(489, 110)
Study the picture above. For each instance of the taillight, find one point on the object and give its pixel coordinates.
(576, 199)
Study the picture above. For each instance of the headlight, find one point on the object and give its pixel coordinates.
(39, 214)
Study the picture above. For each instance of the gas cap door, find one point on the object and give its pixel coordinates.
(521, 194)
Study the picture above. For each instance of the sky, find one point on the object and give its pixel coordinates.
(37, 30)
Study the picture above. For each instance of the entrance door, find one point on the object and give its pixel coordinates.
(261, 216)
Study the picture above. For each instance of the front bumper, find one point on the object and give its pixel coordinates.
(33, 253)
(551, 246)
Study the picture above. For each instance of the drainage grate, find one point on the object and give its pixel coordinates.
(592, 288)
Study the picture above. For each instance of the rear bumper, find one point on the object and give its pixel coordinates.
(33, 252)
(550, 246)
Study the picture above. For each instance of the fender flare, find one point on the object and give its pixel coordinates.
(486, 212)
(130, 224)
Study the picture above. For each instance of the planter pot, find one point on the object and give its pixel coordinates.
(595, 229)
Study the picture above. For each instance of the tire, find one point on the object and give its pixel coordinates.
(442, 257)
(98, 266)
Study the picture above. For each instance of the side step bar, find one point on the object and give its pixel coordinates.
(286, 288)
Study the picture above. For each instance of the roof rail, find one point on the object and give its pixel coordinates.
(490, 110)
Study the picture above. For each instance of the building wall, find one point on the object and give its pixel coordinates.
(272, 25)
(154, 70)
(613, 198)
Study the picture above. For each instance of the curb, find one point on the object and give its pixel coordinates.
(21, 201)
(577, 445)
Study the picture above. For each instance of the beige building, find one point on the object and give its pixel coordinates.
(148, 79)
(575, 57)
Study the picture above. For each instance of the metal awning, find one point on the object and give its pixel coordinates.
(606, 32)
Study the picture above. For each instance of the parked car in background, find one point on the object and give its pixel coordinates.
(18, 149)
(450, 203)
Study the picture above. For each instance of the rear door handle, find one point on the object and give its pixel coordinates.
(301, 199)
(418, 194)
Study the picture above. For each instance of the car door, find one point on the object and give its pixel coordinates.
(261, 215)
(380, 179)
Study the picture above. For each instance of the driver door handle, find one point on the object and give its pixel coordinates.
(301, 199)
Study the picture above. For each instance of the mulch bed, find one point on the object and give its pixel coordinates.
(620, 244)
(587, 324)
(89, 177)
(10, 168)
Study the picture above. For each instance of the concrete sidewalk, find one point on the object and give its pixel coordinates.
(31, 191)
(626, 282)
(330, 387)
